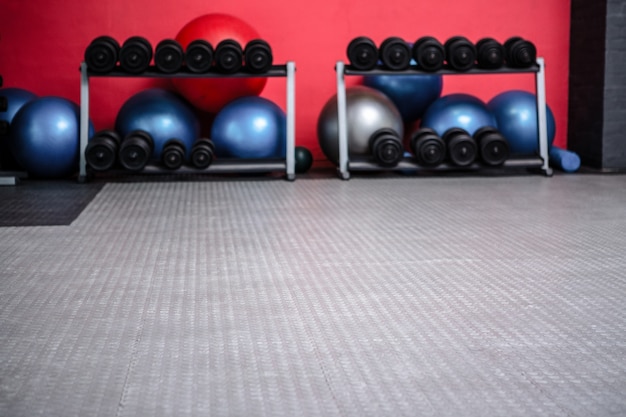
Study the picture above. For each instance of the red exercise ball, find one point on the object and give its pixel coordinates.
(211, 94)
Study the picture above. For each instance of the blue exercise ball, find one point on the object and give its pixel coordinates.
(458, 110)
(163, 114)
(412, 94)
(250, 127)
(516, 114)
(15, 99)
(44, 137)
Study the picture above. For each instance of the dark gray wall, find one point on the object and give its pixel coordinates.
(597, 96)
(614, 142)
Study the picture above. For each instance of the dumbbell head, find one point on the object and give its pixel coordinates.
(168, 56)
(429, 53)
(258, 56)
(199, 56)
(460, 53)
(386, 147)
(520, 53)
(101, 151)
(4, 104)
(461, 146)
(493, 147)
(202, 153)
(136, 150)
(228, 56)
(489, 53)
(135, 55)
(362, 53)
(173, 155)
(395, 54)
(102, 54)
(429, 149)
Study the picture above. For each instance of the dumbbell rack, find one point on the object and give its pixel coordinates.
(218, 166)
(347, 164)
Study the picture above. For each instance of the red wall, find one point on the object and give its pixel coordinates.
(42, 43)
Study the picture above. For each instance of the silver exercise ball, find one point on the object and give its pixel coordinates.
(369, 112)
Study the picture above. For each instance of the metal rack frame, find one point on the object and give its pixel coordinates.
(345, 164)
(229, 165)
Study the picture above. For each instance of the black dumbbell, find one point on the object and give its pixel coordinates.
(135, 55)
(202, 153)
(228, 56)
(102, 149)
(428, 148)
(489, 53)
(102, 54)
(493, 147)
(4, 106)
(461, 146)
(519, 53)
(429, 54)
(362, 53)
(395, 54)
(460, 53)
(199, 56)
(136, 150)
(386, 147)
(258, 56)
(173, 154)
(169, 56)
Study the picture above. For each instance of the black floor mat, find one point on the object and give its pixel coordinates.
(45, 202)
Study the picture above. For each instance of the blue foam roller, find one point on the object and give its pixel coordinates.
(563, 159)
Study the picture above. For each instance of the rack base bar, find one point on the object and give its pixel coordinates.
(12, 177)
(217, 167)
(410, 164)
(8, 180)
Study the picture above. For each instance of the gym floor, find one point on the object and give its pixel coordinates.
(384, 295)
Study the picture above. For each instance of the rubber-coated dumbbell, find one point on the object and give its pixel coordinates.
(460, 53)
(429, 54)
(489, 53)
(461, 146)
(136, 150)
(493, 148)
(102, 149)
(228, 56)
(395, 53)
(169, 56)
(199, 56)
(4, 105)
(386, 147)
(258, 56)
(173, 154)
(102, 54)
(362, 53)
(202, 153)
(519, 53)
(135, 55)
(428, 148)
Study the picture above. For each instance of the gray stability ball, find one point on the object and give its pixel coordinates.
(368, 111)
